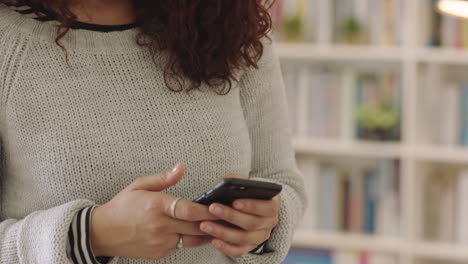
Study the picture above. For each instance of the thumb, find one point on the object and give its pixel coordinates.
(160, 181)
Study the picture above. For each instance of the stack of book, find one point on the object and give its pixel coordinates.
(316, 256)
(444, 109)
(345, 104)
(375, 22)
(314, 98)
(446, 199)
(359, 199)
(445, 31)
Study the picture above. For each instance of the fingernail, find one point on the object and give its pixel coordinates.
(217, 244)
(217, 210)
(206, 228)
(239, 205)
(175, 169)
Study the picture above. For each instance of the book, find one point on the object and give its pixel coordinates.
(291, 86)
(450, 119)
(362, 257)
(358, 198)
(311, 170)
(462, 209)
(389, 22)
(387, 218)
(346, 257)
(435, 25)
(302, 102)
(329, 199)
(430, 101)
(447, 214)
(344, 207)
(431, 206)
(464, 119)
(449, 31)
(308, 256)
(376, 23)
(356, 202)
(340, 103)
(347, 113)
(379, 258)
(370, 201)
(444, 204)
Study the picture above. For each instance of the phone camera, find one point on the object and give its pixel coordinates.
(242, 188)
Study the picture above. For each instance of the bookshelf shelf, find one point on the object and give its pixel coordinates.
(348, 241)
(442, 56)
(304, 51)
(343, 53)
(338, 147)
(340, 53)
(397, 246)
(455, 155)
(440, 251)
(416, 152)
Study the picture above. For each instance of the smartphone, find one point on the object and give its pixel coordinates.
(230, 189)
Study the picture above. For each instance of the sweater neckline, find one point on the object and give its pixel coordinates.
(80, 40)
(78, 24)
(102, 28)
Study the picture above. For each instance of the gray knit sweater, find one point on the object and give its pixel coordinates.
(75, 137)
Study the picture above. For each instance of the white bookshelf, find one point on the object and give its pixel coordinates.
(349, 241)
(409, 247)
(420, 249)
(340, 53)
(336, 147)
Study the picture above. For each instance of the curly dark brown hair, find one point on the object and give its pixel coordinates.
(208, 40)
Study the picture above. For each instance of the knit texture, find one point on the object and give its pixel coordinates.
(75, 137)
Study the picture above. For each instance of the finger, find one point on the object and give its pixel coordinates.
(266, 208)
(184, 227)
(160, 181)
(230, 175)
(234, 235)
(231, 250)
(195, 241)
(188, 211)
(240, 219)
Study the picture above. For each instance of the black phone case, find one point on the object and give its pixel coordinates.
(231, 189)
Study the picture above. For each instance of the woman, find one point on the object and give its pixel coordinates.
(99, 99)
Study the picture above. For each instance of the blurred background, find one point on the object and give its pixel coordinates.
(378, 104)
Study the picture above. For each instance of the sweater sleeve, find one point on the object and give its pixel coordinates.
(264, 104)
(40, 236)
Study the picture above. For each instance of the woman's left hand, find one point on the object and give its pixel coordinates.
(255, 220)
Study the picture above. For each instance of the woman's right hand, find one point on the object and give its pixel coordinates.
(137, 222)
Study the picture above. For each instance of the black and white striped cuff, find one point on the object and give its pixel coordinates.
(79, 245)
(259, 250)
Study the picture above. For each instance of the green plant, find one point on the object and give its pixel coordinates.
(378, 117)
(351, 30)
(293, 27)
